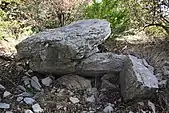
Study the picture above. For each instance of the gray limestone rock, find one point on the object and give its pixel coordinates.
(101, 63)
(28, 111)
(35, 83)
(58, 50)
(28, 100)
(4, 105)
(2, 87)
(74, 100)
(47, 81)
(37, 108)
(136, 80)
(151, 68)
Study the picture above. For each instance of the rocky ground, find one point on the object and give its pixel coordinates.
(20, 95)
(25, 91)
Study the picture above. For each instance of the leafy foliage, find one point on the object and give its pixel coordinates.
(112, 11)
(50, 13)
(22, 18)
(11, 24)
(147, 13)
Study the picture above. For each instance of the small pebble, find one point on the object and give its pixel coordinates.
(47, 81)
(91, 99)
(140, 103)
(28, 111)
(26, 94)
(26, 80)
(163, 82)
(4, 106)
(108, 109)
(36, 108)
(6, 94)
(19, 99)
(131, 112)
(35, 83)
(8, 112)
(21, 88)
(2, 87)
(29, 101)
(59, 106)
(74, 100)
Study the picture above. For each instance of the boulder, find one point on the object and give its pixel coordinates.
(73, 82)
(151, 68)
(101, 63)
(136, 80)
(59, 50)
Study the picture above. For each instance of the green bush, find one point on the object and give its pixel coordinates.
(51, 13)
(155, 31)
(21, 18)
(112, 11)
(12, 25)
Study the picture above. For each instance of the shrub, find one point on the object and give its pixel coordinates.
(51, 13)
(11, 21)
(155, 31)
(112, 11)
(21, 18)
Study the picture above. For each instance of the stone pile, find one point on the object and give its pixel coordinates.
(73, 50)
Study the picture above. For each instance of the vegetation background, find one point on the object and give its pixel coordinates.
(22, 18)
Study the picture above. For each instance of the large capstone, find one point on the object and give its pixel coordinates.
(59, 50)
(136, 80)
(101, 63)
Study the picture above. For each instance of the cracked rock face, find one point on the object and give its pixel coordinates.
(58, 50)
(136, 80)
(101, 63)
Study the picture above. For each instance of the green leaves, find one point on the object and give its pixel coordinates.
(11, 21)
(112, 11)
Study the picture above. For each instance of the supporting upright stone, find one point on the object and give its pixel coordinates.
(136, 80)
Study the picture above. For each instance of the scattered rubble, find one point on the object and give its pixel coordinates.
(108, 109)
(86, 81)
(47, 81)
(36, 108)
(74, 100)
(2, 87)
(6, 94)
(4, 106)
(19, 99)
(90, 99)
(152, 106)
(35, 83)
(28, 111)
(29, 101)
